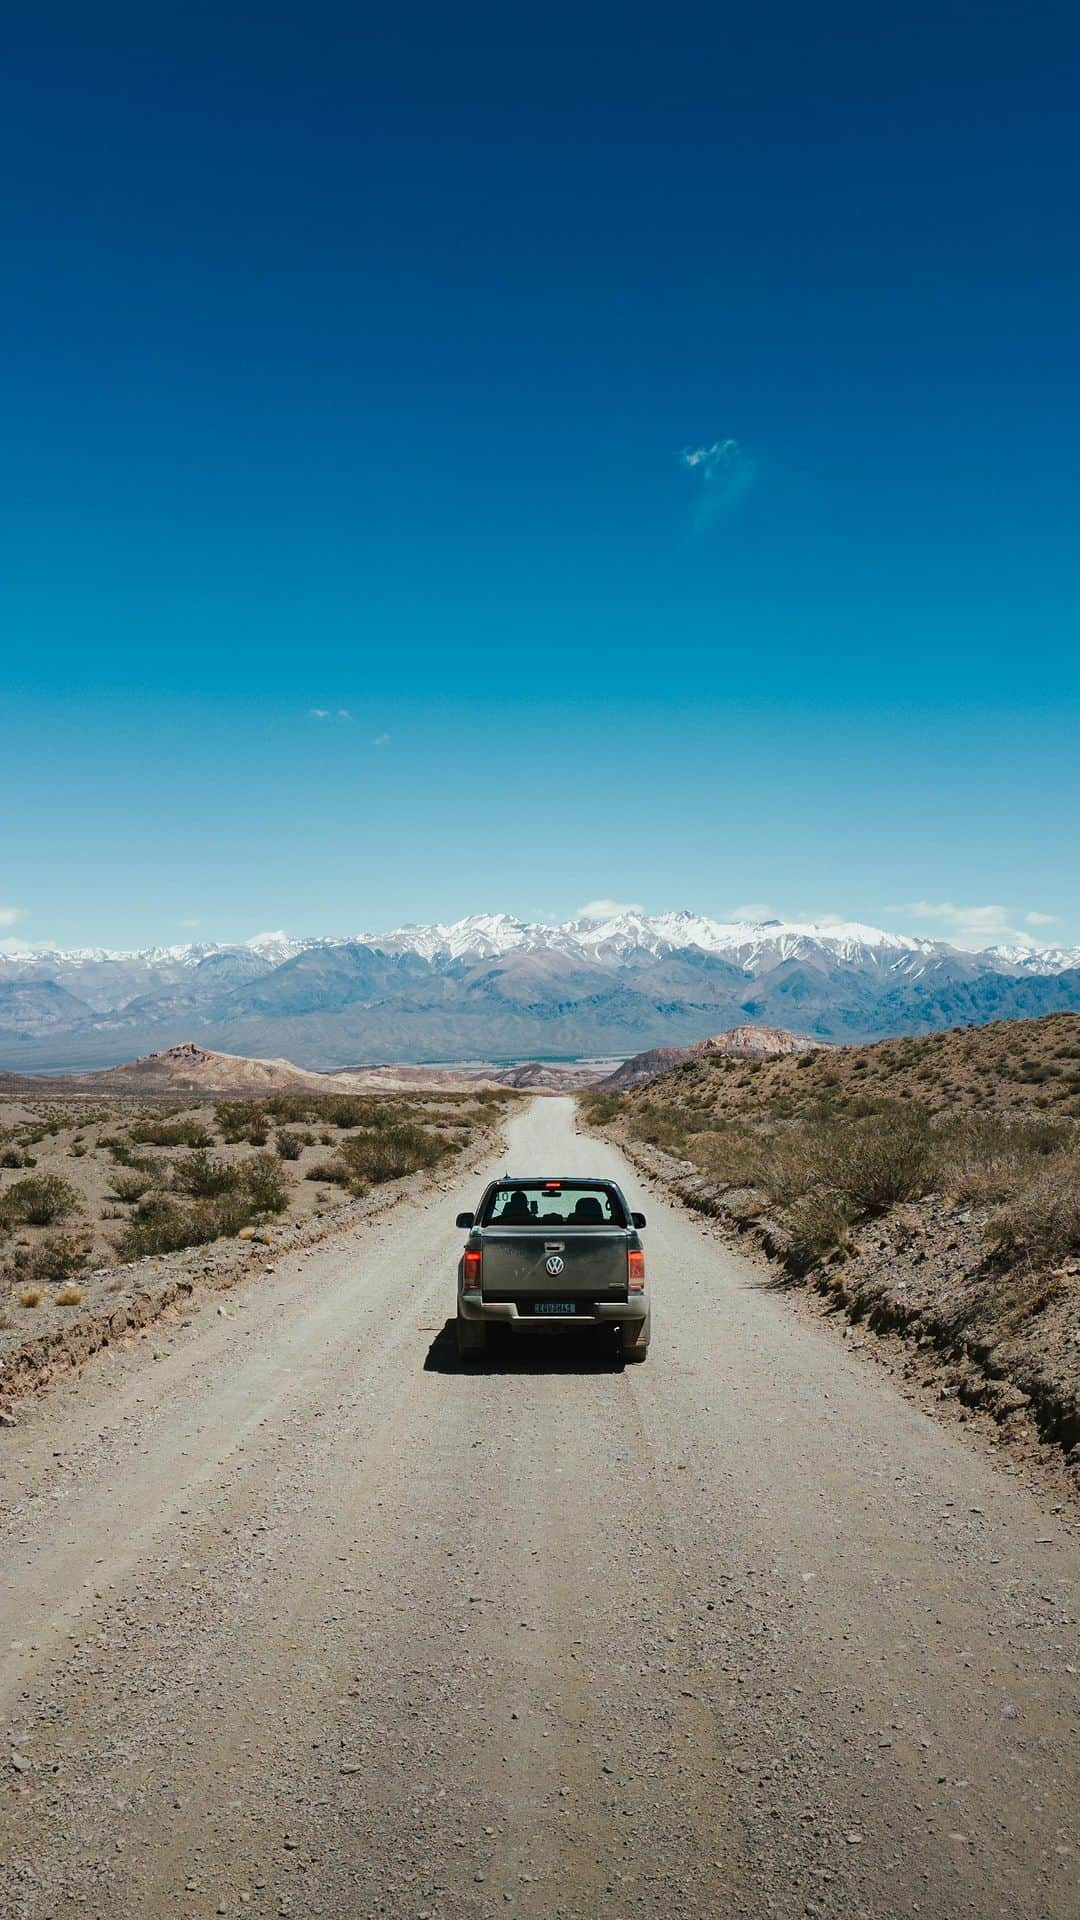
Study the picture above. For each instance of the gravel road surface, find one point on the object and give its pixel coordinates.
(299, 1618)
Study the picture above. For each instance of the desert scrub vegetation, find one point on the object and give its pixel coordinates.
(389, 1152)
(130, 1183)
(166, 1172)
(209, 1200)
(1039, 1225)
(289, 1144)
(259, 1178)
(41, 1200)
(183, 1132)
(827, 1170)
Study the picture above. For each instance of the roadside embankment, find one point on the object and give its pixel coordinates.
(925, 1190)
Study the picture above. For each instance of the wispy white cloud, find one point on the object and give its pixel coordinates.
(725, 472)
(977, 926)
(381, 740)
(329, 713)
(187, 923)
(753, 910)
(607, 909)
(9, 915)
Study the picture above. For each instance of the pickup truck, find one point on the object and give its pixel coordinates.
(552, 1253)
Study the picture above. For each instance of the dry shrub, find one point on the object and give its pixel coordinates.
(30, 1297)
(392, 1152)
(41, 1200)
(264, 1183)
(984, 1158)
(163, 1224)
(387, 1153)
(16, 1157)
(1040, 1224)
(731, 1156)
(130, 1183)
(53, 1258)
(170, 1133)
(817, 1225)
(69, 1296)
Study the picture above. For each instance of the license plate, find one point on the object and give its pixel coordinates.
(556, 1306)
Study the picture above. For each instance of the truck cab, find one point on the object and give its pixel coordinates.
(549, 1252)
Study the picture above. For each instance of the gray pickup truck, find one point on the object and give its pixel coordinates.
(547, 1253)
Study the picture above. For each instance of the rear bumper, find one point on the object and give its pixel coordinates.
(505, 1313)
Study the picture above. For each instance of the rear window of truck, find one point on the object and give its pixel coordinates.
(562, 1203)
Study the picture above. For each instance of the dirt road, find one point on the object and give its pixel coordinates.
(300, 1619)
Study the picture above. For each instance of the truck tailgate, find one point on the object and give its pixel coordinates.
(518, 1263)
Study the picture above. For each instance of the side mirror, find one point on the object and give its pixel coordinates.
(638, 1219)
(465, 1219)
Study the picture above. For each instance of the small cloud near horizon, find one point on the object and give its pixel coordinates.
(607, 909)
(187, 923)
(9, 915)
(978, 926)
(754, 911)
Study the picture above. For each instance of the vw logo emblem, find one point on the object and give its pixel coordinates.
(554, 1264)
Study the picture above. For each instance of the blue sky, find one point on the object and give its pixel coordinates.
(654, 428)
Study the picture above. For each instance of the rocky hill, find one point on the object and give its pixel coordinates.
(759, 1043)
(189, 1068)
(1008, 1067)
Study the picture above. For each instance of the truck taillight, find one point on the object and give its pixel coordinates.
(635, 1270)
(470, 1272)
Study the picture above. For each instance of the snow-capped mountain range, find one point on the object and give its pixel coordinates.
(492, 986)
(481, 936)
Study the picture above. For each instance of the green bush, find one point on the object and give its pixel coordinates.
(289, 1144)
(264, 1183)
(161, 1224)
(388, 1153)
(170, 1133)
(42, 1200)
(243, 1120)
(202, 1176)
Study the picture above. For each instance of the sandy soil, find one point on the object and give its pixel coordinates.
(300, 1619)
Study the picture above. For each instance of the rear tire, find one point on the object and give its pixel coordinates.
(471, 1338)
(634, 1342)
